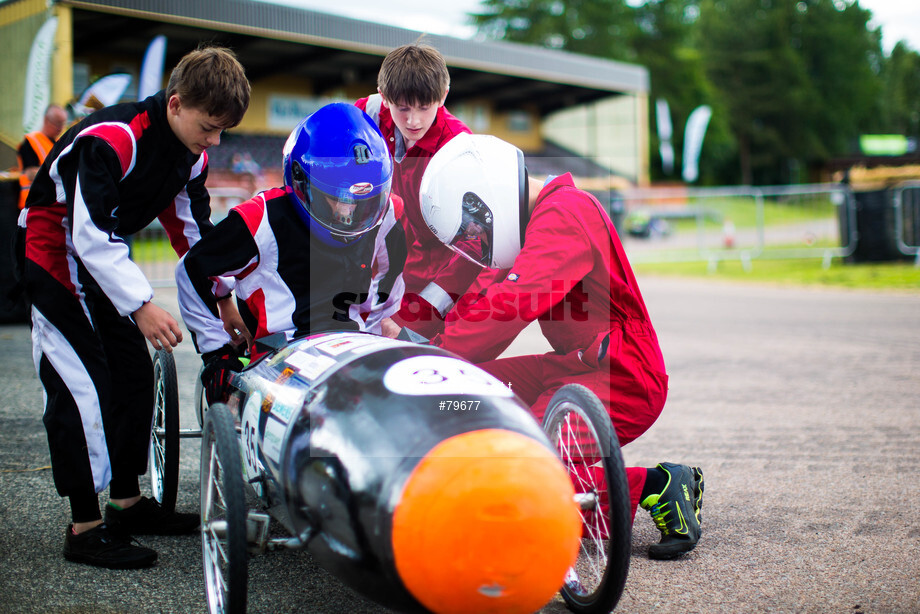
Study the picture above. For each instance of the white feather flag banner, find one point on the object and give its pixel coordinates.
(693, 141)
(663, 121)
(38, 77)
(151, 79)
(104, 92)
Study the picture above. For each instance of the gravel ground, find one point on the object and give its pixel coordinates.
(800, 405)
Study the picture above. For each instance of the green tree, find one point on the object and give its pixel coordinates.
(843, 59)
(792, 83)
(593, 27)
(799, 79)
(900, 100)
(658, 35)
(665, 42)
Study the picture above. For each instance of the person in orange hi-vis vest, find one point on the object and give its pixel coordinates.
(36, 146)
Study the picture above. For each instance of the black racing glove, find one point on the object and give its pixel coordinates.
(216, 373)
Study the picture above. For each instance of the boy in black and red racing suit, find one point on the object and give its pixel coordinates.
(108, 177)
(323, 253)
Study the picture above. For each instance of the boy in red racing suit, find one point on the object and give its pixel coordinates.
(557, 259)
(412, 86)
(108, 177)
(323, 253)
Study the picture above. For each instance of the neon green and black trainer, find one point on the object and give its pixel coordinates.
(698, 476)
(677, 511)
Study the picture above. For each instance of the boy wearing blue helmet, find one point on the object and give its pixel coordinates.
(325, 252)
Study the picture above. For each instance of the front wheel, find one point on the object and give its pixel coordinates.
(201, 399)
(164, 433)
(580, 429)
(223, 514)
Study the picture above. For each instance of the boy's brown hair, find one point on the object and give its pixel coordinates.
(212, 80)
(413, 74)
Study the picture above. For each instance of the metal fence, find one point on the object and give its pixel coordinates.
(906, 203)
(682, 224)
(739, 223)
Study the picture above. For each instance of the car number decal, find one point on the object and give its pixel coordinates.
(249, 434)
(436, 375)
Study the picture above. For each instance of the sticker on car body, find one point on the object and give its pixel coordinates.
(441, 375)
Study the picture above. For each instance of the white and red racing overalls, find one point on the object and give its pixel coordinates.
(433, 272)
(286, 280)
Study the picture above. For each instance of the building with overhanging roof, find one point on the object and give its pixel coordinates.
(562, 109)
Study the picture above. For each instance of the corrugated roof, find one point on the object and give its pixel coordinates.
(342, 42)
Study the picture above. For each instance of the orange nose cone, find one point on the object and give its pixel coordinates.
(486, 523)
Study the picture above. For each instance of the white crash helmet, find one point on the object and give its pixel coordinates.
(474, 198)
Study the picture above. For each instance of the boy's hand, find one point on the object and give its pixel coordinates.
(158, 327)
(389, 328)
(233, 323)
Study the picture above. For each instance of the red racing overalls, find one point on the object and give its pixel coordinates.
(573, 277)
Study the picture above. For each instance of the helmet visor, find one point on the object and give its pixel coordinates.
(348, 212)
(473, 239)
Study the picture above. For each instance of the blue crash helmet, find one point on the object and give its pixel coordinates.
(338, 170)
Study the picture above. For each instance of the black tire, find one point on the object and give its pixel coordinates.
(164, 433)
(201, 399)
(579, 428)
(223, 514)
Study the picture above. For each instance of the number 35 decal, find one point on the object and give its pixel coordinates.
(249, 434)
(434, 375)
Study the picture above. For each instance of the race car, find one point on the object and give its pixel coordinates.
(411, 475)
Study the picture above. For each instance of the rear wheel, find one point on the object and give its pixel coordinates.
(164, 435)
(223, 514)
(580, 429)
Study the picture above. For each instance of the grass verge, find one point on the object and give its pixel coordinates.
(902, 276)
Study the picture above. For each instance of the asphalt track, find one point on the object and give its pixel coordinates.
(802, 407)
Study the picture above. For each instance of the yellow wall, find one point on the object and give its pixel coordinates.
(520, 128)
(478, 114)
(256, 118)
(19, 23)
(62, 63)
(612, 132)
(17, 11)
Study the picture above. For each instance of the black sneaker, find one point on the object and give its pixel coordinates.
(146, 517)
(677, 511)
(102, 547)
